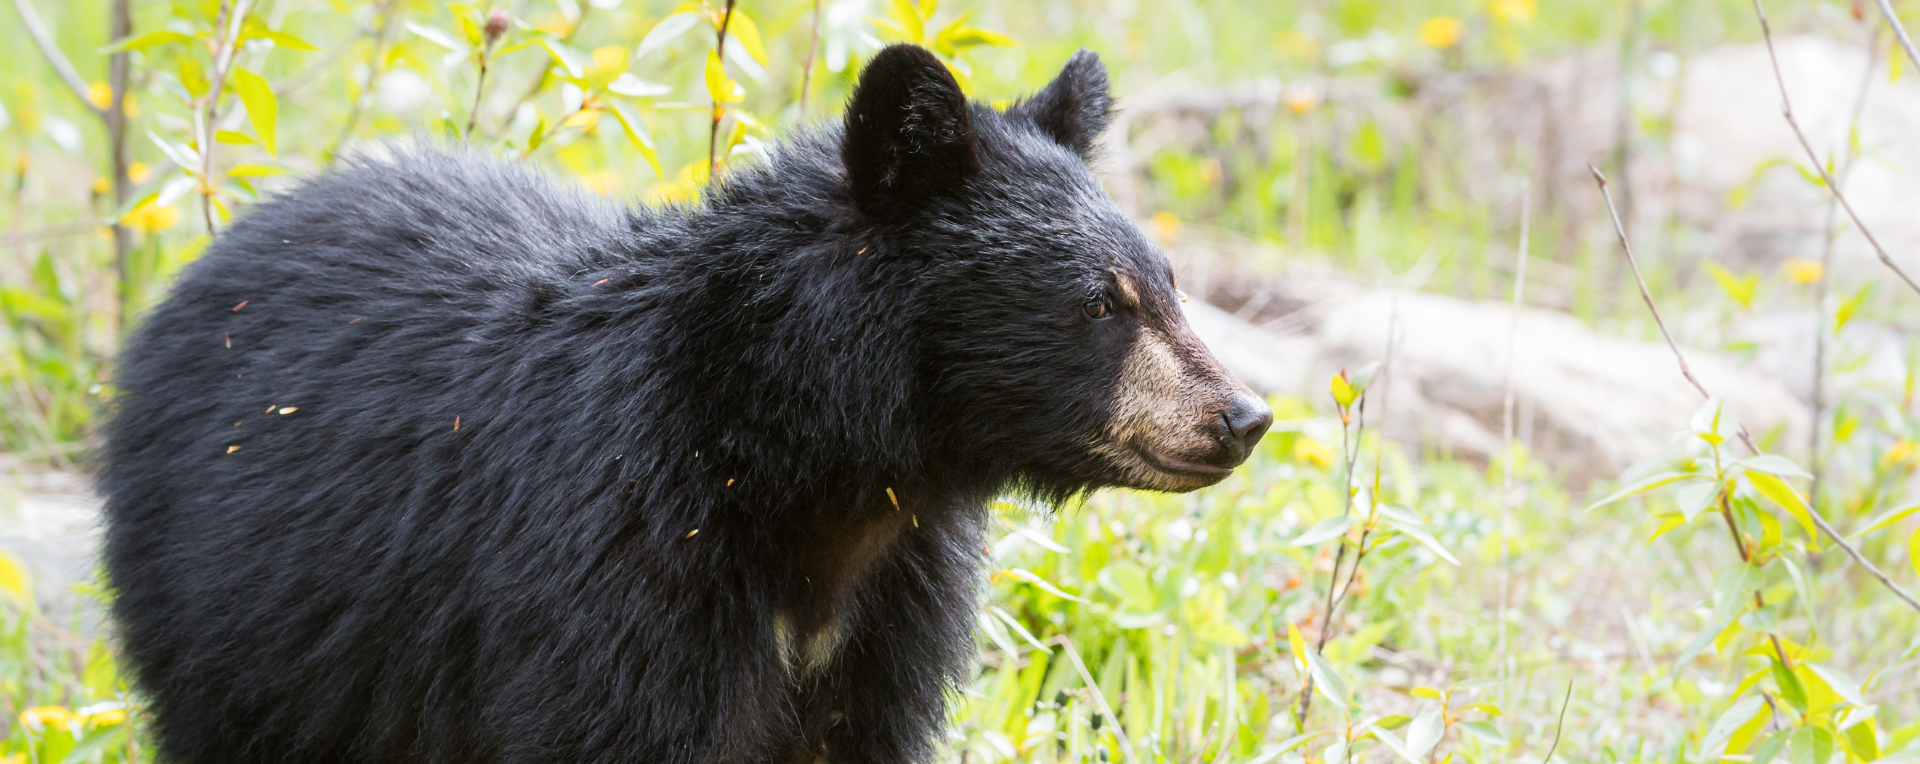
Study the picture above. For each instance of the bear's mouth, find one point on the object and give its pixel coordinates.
(1184, 470)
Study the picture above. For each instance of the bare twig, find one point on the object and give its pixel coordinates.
(119, 70)
(389, 13)
(1506, 428)
(1561, 725)
(1812, 511)
(37, 29)
(227, 31)
(1099, 698)
(1816, 463)
(496, 25)
(719, 108)
(806, 70)
(1906, 43)
(1786, 109)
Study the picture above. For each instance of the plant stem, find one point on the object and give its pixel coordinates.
(1350, 453)
(228, 33)
(389, 13)
(719, 108)
(119, 71)
(1812, 511)
(1786, 110)
(479, 89)
(1816, 463)
(37, 29)
(806, 69)
(1906, 43)
(1506, 430)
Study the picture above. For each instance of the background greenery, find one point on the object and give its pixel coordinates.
(1479, 611)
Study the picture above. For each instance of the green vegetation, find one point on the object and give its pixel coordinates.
(1478, 611)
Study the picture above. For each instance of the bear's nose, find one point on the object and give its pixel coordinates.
(1248, 419)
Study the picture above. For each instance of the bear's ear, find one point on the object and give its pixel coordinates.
(909, 135)
(1074, 108)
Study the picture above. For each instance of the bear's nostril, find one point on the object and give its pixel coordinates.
(1248, 418)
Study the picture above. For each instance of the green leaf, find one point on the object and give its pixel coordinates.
(234, 137)
(742, 28)
(1790, 688)
(1773, 464)
(1643, 485)
(1484, 731)
(1426, 540)
(1849, 307)
(1425, 732)
(1891, 517)
(1394, 744)
(253, 171)
(1778, 492)
(146, 40)
(1740, 288)
(1913, 550)
(1393, 722)
(664, 32)
(101, 677)
(438, 36)
(1694, 498)
(1298, 645)
(568, 58)
(633, 87)
(1769, 748)
(1328, 681)
(1291, 743)
(1668, 522)
(1730, 722)
(636, 134)
(181, 154)
(290, 42)
(912, 23)
(1326, 530)
(263, 109)
(1810, 745)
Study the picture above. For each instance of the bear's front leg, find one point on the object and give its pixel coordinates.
(912, 641)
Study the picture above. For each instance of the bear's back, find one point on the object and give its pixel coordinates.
(300, 395)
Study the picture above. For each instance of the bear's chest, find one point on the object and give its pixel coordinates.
(833, 557)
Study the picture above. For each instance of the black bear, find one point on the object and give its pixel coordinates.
(435, 460)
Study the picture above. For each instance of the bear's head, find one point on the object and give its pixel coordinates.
(1053, 343)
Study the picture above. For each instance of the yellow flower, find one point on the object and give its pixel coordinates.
(1166, 226)
(611, 58)
(1900, 451)
(1511, 10)
(1803, 270)
(148, 218)
(1312, 451)
(138, 172)
(1301, 100)
(100, 95)
(45, 717)
(18, 758)
(1441, 31)
(107, 718)
(100, 185)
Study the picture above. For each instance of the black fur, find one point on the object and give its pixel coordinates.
(561, 472)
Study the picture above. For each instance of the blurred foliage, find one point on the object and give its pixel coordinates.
(1135, 627)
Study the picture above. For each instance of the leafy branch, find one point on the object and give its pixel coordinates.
(1812, 514)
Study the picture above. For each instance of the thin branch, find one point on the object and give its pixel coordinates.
(1906, 43)
(1812, 511)
(546, 73)
(719, 109)
(1786, 109)
(1816, 463)
(119, 72)
(496, 25)
(1561, 725)
(389, 13)
(806, 70)
(225, 45)
(37, 29)
(1506, 430)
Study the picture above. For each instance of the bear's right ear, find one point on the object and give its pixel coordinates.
(909, 134)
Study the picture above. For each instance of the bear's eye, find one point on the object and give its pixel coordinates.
(1096, 307)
